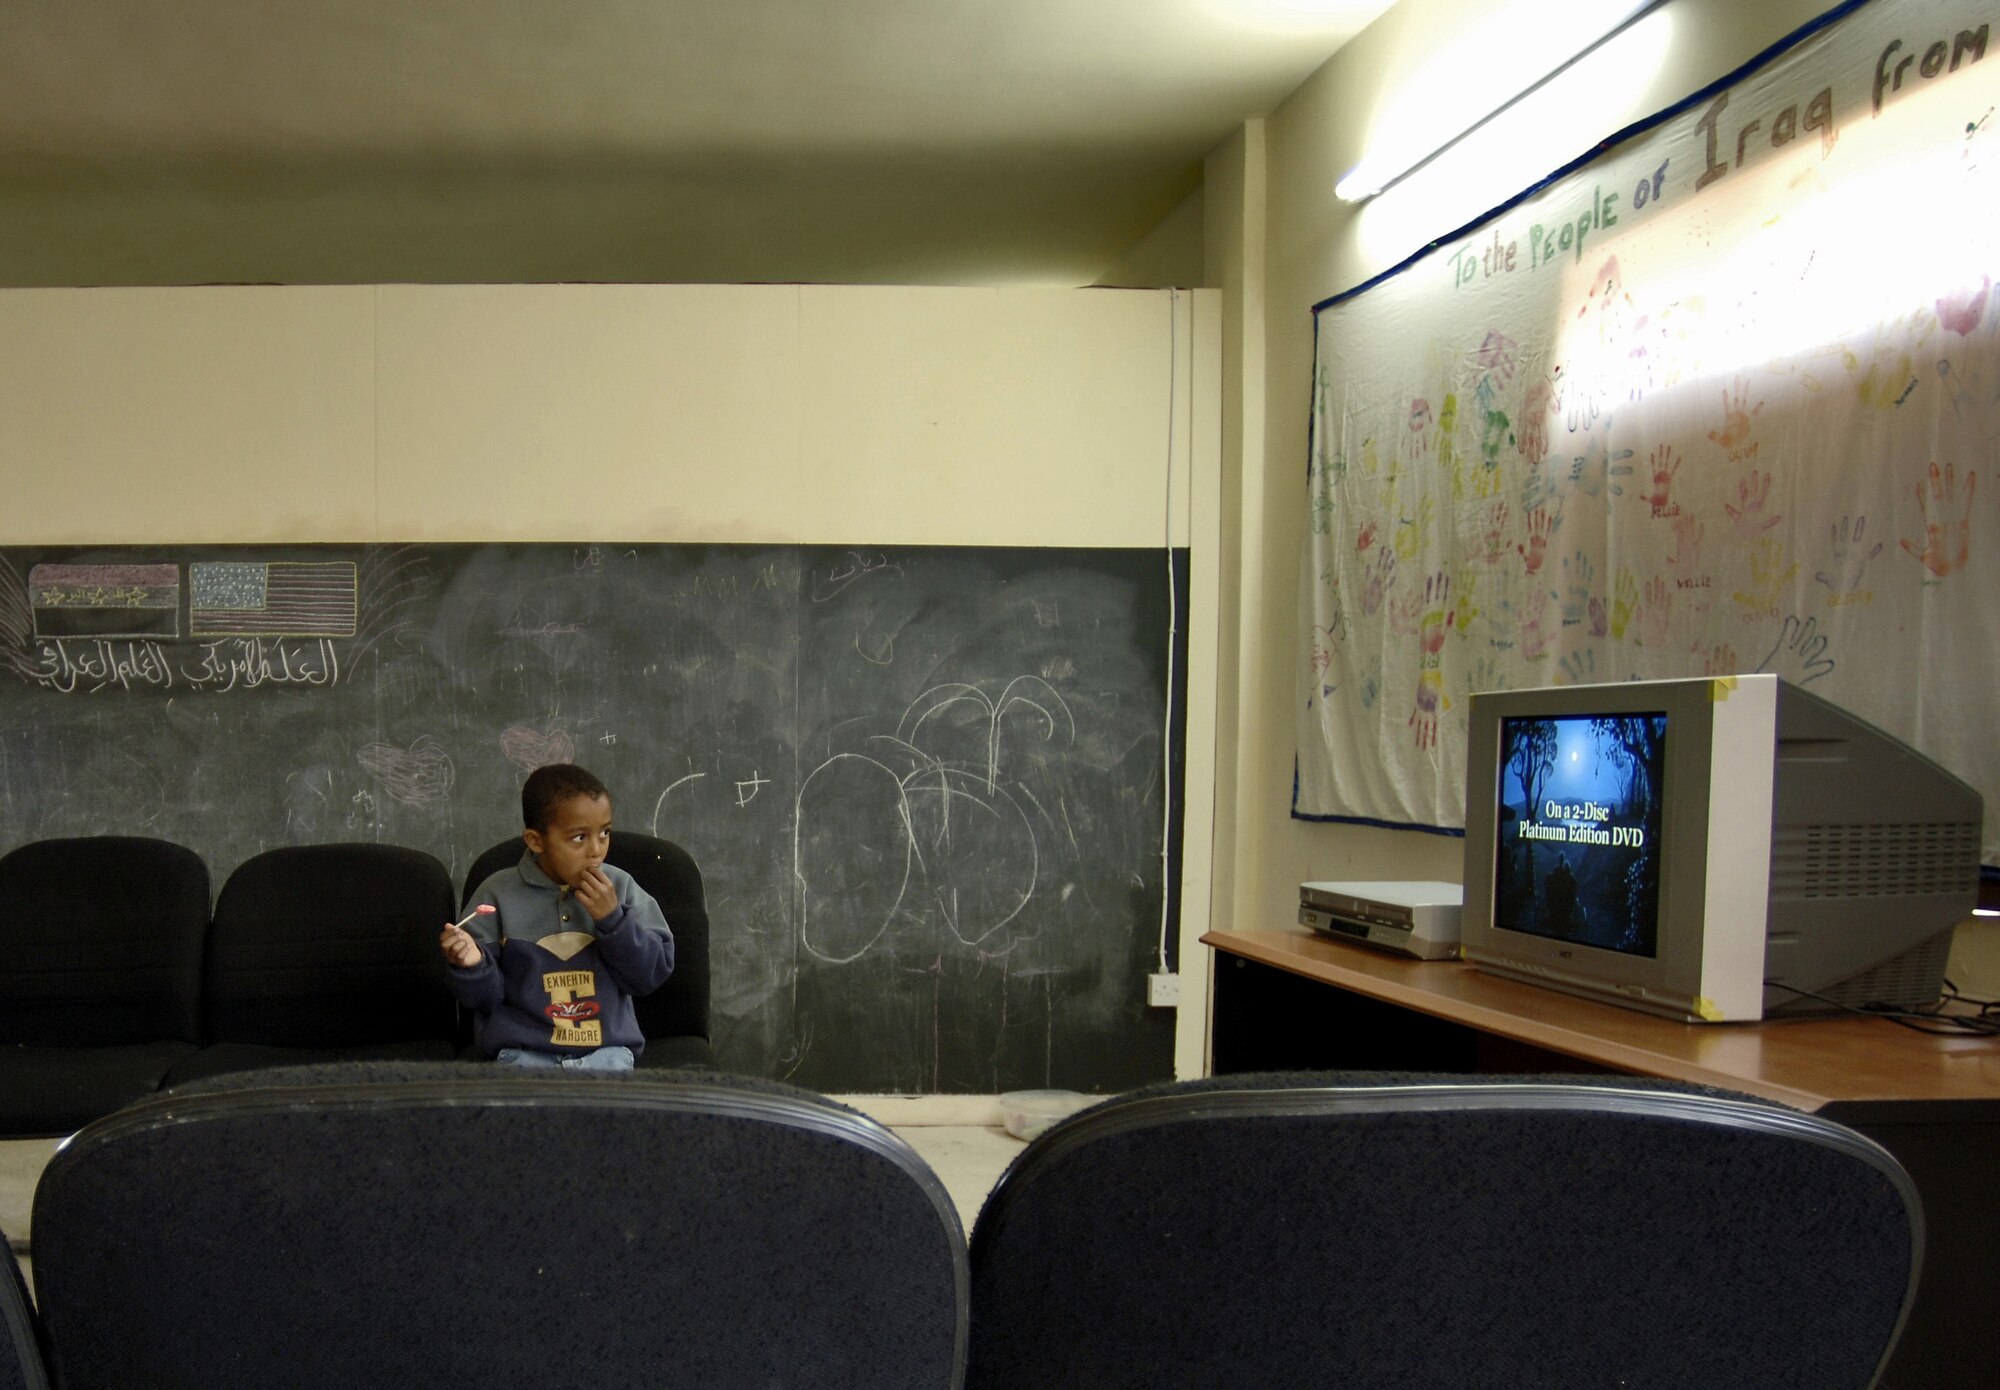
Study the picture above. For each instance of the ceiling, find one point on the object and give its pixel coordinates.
(464, 141)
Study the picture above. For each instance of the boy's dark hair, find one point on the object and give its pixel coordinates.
(548, 787)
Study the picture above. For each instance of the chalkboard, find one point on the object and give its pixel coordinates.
(928, 788)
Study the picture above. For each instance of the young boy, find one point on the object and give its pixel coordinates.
(552, 971)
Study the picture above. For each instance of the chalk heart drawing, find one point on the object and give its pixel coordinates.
(419, 775)
(529, 749)
(900, 832)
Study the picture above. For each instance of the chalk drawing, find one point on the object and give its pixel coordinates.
(529, 749)
(420, 775)
(936, 839)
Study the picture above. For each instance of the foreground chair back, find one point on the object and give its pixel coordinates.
(1459, 1232)
(464, 1224)
(325, 953)
(673, 1017)
(20, 1355)
(100, 975)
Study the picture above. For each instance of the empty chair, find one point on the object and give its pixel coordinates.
(1491, 1232)
(100, 975)
(325, 953)
(460, 1224)
(673, 1017)
(21, 1356)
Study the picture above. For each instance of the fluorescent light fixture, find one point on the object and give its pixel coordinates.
(1481, 71)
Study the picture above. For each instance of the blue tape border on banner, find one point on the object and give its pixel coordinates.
(1299, 815)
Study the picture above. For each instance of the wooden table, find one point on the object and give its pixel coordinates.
(1292, 999)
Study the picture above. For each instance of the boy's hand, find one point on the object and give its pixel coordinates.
(458, 946)
(597, 894)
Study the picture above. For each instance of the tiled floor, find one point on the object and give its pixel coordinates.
(958, 1136)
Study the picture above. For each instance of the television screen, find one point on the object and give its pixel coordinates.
(1577, 853)
(1711, 849)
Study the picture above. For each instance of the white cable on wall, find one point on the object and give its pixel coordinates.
(1173, 626)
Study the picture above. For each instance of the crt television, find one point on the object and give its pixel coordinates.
(1711, 849)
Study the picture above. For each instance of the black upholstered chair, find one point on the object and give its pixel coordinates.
(100, 975)
(327, 953)
(21, 1355)
(459, 1224)
(1538, 1234)
(673, 1017)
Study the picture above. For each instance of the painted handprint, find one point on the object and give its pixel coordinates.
(1492, 534)
(1404, 610)
(1947, 538)
(1624, 602)
(1413, 533)
(1655, 614)
(1533, 437)
(1541, 484)
(1850, 556)
(1666, 463)
(1377, 579)
(1598, 467)
(1768, 576)
(1462, 588)
(1578, 667)
(1447, 432)
(1578, 572)
(1961, 311)
(1425, 713)
(1799, 655)
(1751, 516)
(1420, 424)
(1437, 619)
(1424, 716)
(1503, 624)
(1542, 524)
(1497, 430)
(1535, 634)
(1737, 413)
(1687, 546)
(1499, 356)
(1486, 675)
(1722, 661)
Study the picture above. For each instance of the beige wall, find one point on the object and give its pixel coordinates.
(773, 414)
(714, 413)
(1170, 254)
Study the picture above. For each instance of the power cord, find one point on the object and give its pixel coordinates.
(1983, 1024)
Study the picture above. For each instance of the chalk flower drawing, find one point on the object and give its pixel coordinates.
(946, 838)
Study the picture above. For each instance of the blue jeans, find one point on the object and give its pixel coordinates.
(603, 1059)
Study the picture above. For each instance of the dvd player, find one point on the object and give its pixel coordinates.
(1411, 919)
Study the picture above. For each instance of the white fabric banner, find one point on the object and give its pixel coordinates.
(1724, 398)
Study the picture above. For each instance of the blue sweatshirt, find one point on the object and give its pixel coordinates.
(549, 979)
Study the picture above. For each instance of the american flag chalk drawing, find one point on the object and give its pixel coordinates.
(283, 598)
(105, 600)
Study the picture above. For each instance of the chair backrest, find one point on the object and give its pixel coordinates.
(464, 1224)
(330, 946)
(1532, 1233)
(21, 1356)
(101, 942)
(679, 1008)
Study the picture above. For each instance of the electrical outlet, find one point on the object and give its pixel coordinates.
(1163, 991)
